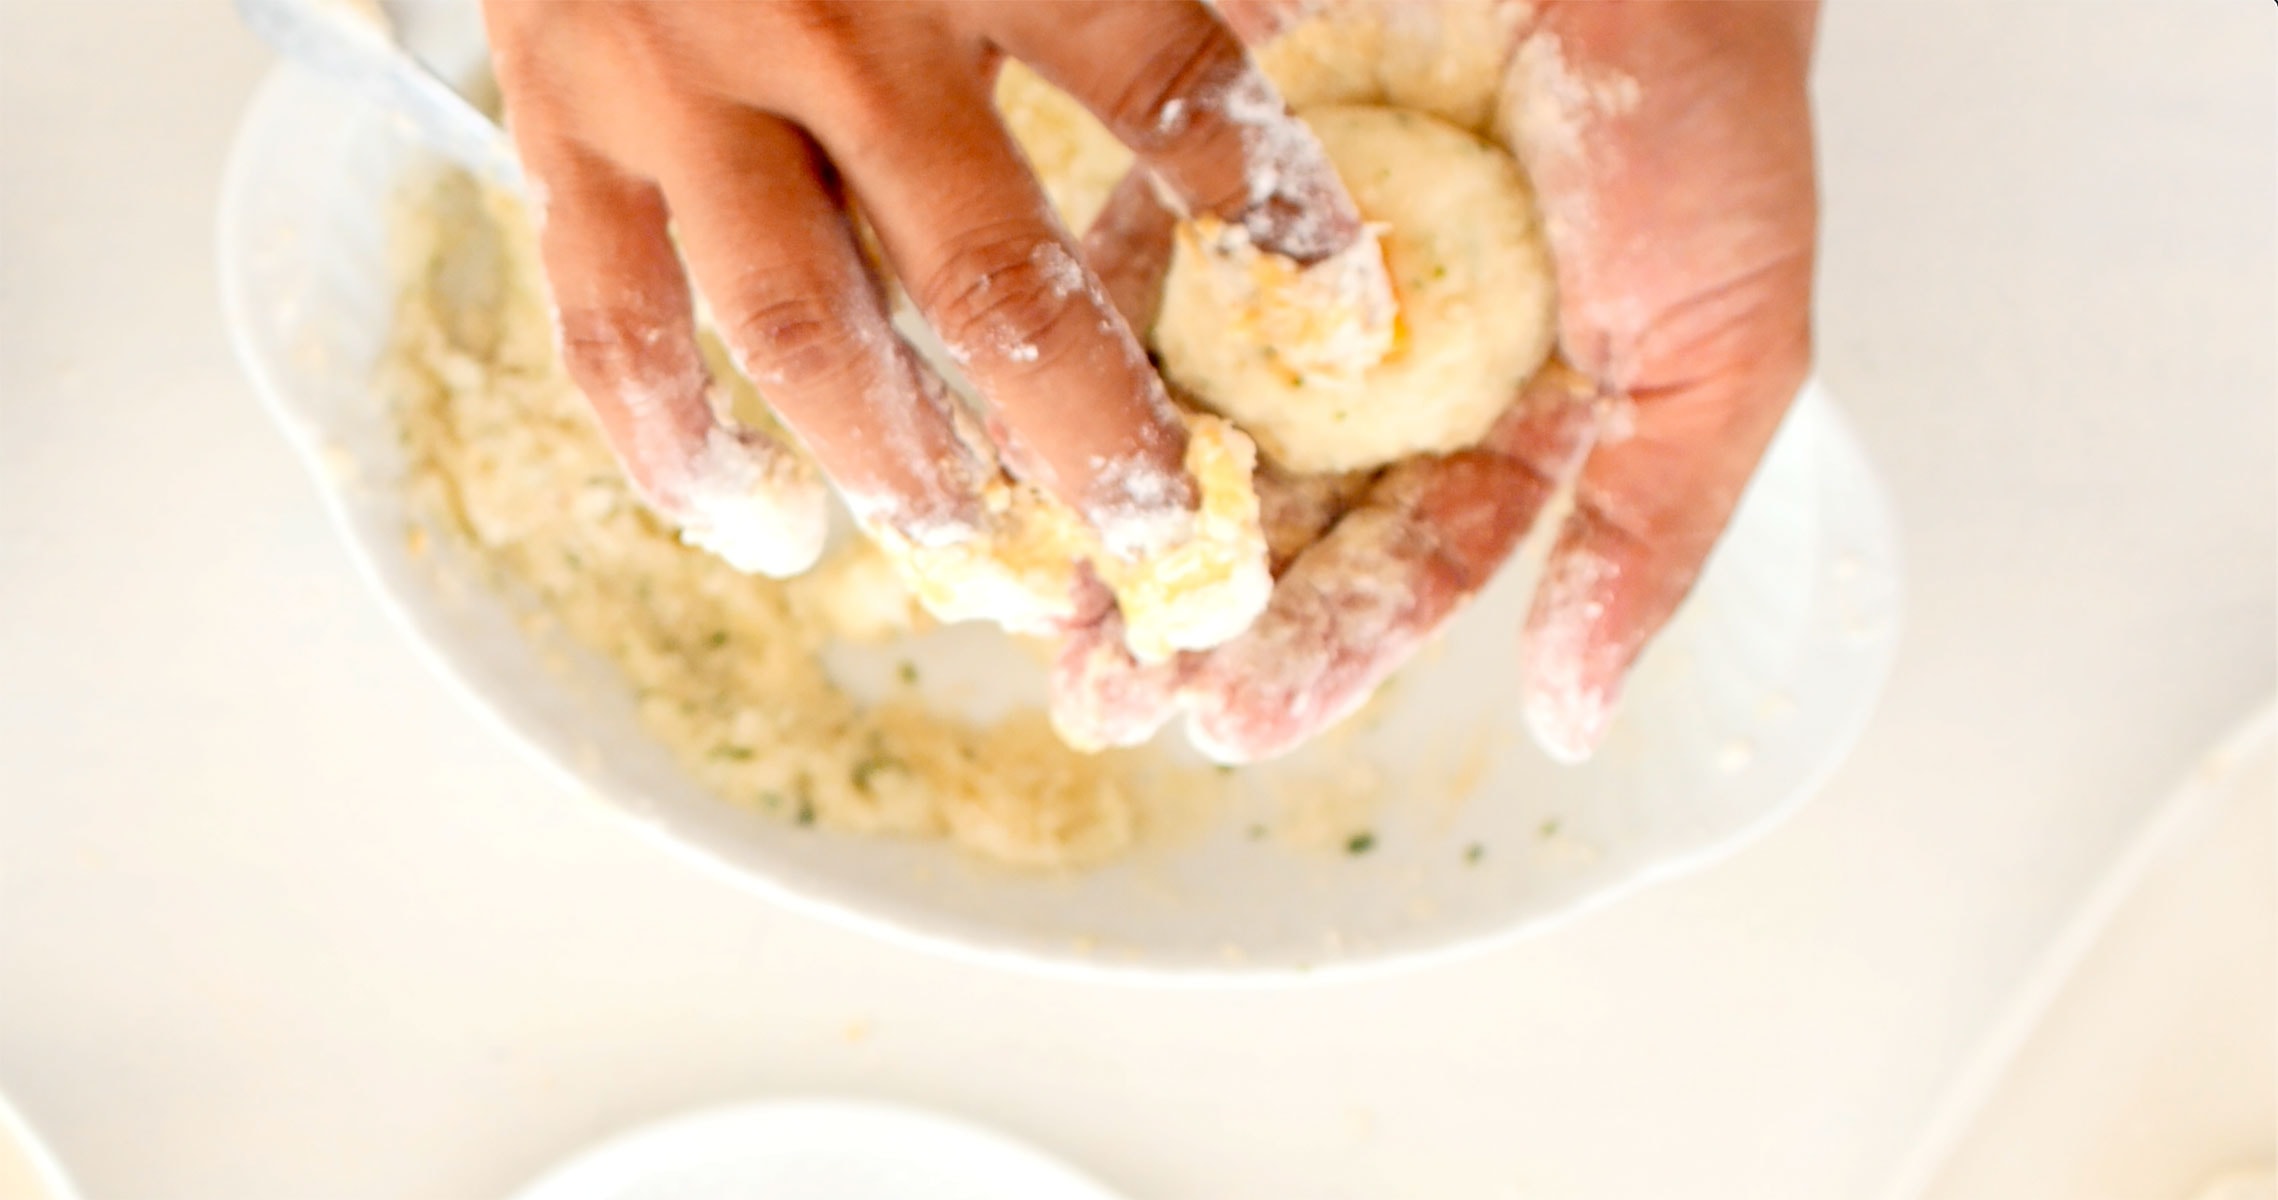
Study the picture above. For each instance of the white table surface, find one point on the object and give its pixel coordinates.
(277, 919)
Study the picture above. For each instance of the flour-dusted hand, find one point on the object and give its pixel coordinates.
(1669, 145)
(748, 129)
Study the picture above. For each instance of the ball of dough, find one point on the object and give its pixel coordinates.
(1472, 282)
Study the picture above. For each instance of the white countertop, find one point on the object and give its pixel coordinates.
(277, 919)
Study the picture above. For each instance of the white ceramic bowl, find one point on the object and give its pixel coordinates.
(1735, 716)
(814, 1150)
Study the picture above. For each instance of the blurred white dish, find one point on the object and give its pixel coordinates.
(1735, 716)
(27, 1170)
(813, 1150)
(2136, 1059)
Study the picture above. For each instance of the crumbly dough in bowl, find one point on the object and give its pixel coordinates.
(726, 666)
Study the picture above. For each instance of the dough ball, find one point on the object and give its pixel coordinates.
(1443, 58)
(1471, 279)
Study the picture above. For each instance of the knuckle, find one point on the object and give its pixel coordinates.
(1156, 106)
(794, 337)
(610, 346)
(827, 27)
(1006, 295)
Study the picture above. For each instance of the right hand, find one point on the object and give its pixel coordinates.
(752, 126)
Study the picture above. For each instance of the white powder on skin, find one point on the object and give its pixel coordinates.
(501, 453)
(1550, 105)
(1137, 506)
(755, 505)
(1350, 606)
(1289, 177)
(1567, 704)
(1061, 271)
(1550, 112)
(1171, 120)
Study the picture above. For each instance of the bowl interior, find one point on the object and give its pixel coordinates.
(1752, 694)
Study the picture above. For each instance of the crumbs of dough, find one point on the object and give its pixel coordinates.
(724, 665)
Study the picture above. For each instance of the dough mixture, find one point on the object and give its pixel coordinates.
(1404, 98)
(726, 665)
(1472, 288)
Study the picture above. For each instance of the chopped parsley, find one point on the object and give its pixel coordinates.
(1549, 829)
(908, 671)
(1360, 843)
(870, 766)
(718, 639)
(1473, 853)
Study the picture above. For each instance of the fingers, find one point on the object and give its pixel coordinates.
(1129, 248)
(1352, 605)
(1101, 695)
(803, 318)
(1257, 22)
(1649, 507)
(1295, 510)
(1003, 286)
(1171, 81)
(1358, 603)
(1681, 215)
(628, 339)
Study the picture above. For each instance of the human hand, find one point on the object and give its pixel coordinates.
(1669, 145)
(751, 126)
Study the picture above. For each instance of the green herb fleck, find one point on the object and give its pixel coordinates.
(1473, 853)
(870, 766)
(1360, 843)
(732, 753)
(1225, 768)
(1549, 829)
(773, 800)
(718, 639)
(909, 672)
(1257, 833)
(806, 813)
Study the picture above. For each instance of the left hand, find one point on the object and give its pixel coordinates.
(1682, 226)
